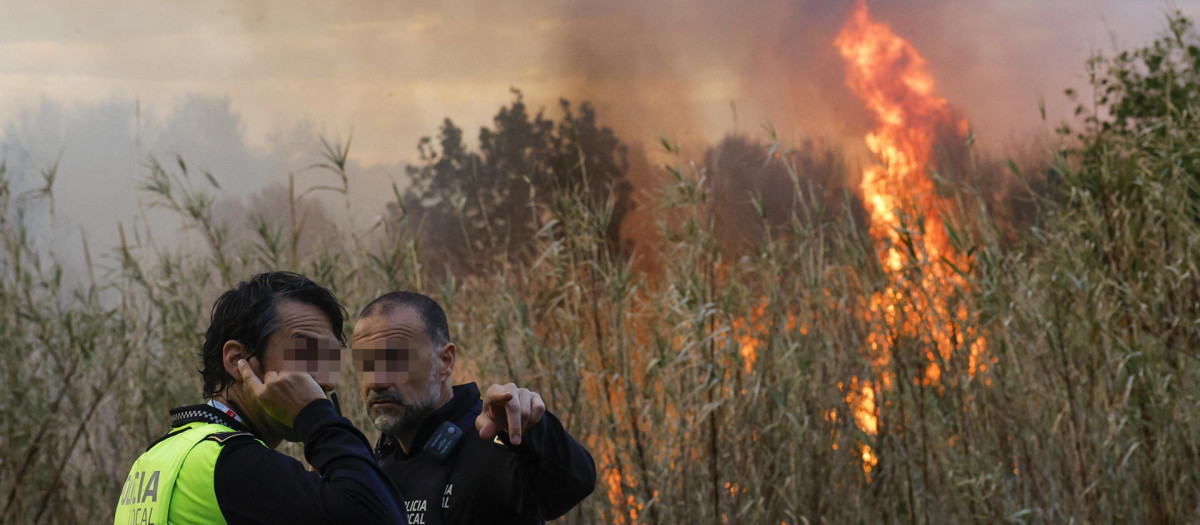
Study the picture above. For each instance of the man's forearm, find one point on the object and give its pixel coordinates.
(558, 472)
(342, 455)
(254, 483)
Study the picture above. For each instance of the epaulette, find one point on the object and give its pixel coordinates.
(222, 437)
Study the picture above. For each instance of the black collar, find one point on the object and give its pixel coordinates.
(183, 415)
(466, 396)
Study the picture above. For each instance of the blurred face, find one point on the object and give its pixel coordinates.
(319, 357)
(303, 342)
(401, 380)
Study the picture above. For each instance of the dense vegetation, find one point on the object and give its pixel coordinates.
(721, 386)
(476, 211)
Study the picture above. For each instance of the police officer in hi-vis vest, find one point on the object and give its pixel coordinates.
(269, 356)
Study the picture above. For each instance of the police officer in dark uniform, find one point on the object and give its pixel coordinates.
(459, 457)
(268, 338)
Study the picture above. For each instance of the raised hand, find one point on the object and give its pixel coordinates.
(281, 394)
(509, 407)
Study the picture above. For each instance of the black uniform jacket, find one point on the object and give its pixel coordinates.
(488, 481)
(255, 484)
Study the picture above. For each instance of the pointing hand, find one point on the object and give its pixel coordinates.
(508, 405)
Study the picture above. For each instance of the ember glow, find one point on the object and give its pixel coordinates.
(922, 302)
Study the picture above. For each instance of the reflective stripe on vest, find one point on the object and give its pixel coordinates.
(173, 481)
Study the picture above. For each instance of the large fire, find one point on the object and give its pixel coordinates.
(917, 305)
(906, 213)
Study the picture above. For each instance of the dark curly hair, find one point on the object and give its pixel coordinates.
(247, 314)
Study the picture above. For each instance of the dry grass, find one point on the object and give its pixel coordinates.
(1087, 413)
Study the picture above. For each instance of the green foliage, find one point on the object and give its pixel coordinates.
(1139, 88)
(1147, 102)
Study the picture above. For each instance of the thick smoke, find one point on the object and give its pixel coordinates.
(101, 152)
(394, 70)
(701, 70)
(243, 90)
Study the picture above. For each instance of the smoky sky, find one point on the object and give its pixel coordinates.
(244, 89)
(101, 153)
(392, 70)
(704, 68)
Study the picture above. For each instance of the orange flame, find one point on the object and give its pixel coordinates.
(888, 74)
(894, 82)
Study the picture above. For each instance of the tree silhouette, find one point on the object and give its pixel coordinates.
(479, 209)
(752, 189)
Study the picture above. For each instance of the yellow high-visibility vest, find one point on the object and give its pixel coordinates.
(173, 481)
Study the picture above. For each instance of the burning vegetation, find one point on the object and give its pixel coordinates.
(925, 299)
(811, 343)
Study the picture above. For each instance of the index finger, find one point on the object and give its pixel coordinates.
(248, 375)
(513, 408)
(497, 395)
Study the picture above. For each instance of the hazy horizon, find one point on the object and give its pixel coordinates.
(243, 90)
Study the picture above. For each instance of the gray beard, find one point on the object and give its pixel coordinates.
(408, 421)
(414, 412)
